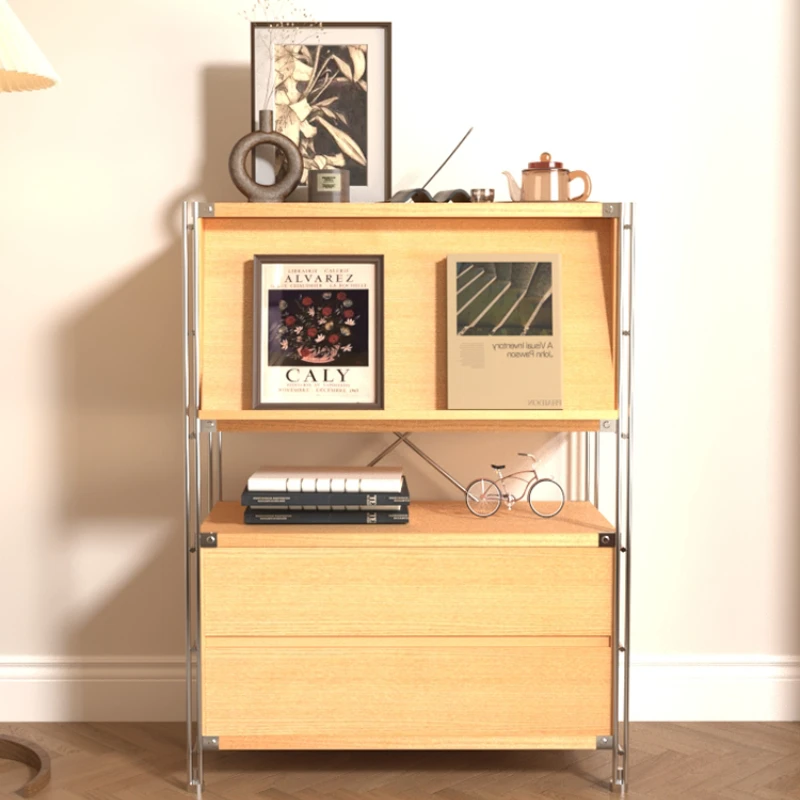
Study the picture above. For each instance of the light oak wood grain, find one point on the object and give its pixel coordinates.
(409, 210)
(231, 643)
(407, 592)
(399, 697)
(431, 524)
(368, 421)
(410, 741)
(415, 249)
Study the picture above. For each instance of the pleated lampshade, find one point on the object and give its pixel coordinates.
(23, 66)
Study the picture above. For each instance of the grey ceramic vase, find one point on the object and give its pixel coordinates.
(289, 175)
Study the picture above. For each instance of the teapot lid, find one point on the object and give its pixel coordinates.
(545, 163)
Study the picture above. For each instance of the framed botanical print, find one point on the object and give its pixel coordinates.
(318, 331)
(328, 85)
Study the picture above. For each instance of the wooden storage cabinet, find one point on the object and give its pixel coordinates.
(458, 638)
(384, 591)
(451, 631)
(406, 692)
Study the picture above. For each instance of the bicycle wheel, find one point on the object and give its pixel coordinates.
(483, 497)
(546, 498)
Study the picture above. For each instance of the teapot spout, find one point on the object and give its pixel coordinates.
(513, 188)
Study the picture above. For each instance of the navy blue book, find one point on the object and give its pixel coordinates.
(256, 517)
(257, 498)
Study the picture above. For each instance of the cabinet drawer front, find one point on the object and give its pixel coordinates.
(407, 592)
(377, 695)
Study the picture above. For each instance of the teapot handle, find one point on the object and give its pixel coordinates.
(587, 184)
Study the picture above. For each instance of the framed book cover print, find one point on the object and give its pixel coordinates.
(318, 331)
(504, 344)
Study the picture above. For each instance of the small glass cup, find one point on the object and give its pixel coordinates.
(482, 195)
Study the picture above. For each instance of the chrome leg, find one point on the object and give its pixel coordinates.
(187, 496)
(615, 631)
(622, 576)
(192, 497)
(198, 482)
(627, 220)
(199, 777)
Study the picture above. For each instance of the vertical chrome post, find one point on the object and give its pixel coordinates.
(622, 574)
(219, 465)
(198, 483)
(615, 629)
(573, 483)
(198, 675)
(627, 219)
(211, 482)
(596, 498)
(587, 467)
(187, 495)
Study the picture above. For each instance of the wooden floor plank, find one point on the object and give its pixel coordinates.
(695, 761)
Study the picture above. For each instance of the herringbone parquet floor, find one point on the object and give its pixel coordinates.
(693, 761)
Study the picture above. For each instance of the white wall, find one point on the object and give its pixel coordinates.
(689, 109)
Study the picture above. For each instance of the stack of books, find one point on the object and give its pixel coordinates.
(326, 495)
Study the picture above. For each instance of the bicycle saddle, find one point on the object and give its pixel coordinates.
(497, 466)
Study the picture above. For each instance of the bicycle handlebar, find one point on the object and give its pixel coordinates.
(528, 455)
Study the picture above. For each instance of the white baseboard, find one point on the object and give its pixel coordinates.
(723, 688)
(92, 689)
(152, 688)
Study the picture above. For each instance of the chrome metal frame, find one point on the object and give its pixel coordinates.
(620, 641)
(587, 454)
(196, 489)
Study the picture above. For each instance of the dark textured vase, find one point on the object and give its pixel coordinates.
(290, 160)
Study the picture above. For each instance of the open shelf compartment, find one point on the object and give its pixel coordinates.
(431, 524)
(415, 241)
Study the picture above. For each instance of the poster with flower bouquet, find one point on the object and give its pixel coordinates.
(318, 332)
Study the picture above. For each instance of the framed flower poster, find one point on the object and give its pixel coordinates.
(318, 332)
(328, 86)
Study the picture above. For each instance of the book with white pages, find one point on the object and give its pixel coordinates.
(326, 479)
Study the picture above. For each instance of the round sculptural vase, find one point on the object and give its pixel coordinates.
(288, 177)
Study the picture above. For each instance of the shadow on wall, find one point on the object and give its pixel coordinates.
(120, 368)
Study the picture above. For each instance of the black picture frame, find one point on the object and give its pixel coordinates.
(374, 345)
(371, 192)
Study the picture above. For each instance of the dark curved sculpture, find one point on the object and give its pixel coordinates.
(32, 755)
(424, 196)
(452, 196)
(288, 177)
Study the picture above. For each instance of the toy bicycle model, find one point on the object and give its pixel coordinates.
(545, 497)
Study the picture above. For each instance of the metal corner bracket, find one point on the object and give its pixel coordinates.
(204, 210)
(208, 540)
(208, 426)
(606, 539)
(603, 742)
(608, 425)
(210, 742)
(612, 210)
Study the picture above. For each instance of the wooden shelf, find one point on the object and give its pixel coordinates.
(415, 241)
(375, 421)
(408, 210)
(432, 524)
